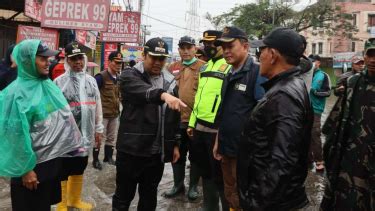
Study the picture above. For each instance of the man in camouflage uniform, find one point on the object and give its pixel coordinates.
(349, 151)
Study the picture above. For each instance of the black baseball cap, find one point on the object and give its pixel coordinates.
(287, 41)
(43, 50)
(73, 49)
(156, 47)
(211, 35)
(186, 40)
(116, 56)
(231, 33)
(314, 58)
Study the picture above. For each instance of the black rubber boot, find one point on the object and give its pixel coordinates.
(194, 179)
(108, 152)
(210, 195)
(96, 163)
(178, 177)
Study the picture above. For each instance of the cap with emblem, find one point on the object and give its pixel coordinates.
(230, 34)
(186, 40)
(43, 50)
(73, 49)
(287, 41)
(156, 47)
(116, 56)
(211, 35)
(369, 44)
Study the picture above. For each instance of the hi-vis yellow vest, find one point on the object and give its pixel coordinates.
(208, 96)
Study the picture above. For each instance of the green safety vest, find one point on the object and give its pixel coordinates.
(208, 96)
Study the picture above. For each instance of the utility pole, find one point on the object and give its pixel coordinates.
(145, 32)
(193, 19)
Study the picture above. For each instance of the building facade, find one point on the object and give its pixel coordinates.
(363, 13)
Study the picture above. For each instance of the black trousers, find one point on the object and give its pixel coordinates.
(146, 172)
(47, 193)
(184, 147)
(73, 166)
(201, 153)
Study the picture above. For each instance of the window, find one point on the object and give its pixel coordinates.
(371, 20)
(353, 46)
(313, 50)
(354, 19)
(320, 48)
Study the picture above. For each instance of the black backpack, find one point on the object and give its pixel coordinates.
(325, 89)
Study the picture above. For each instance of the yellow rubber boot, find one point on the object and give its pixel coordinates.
(62, 206)
(74, 193)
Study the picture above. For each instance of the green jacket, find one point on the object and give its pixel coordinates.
(208, 96)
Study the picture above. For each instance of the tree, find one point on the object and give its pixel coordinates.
(258, 19)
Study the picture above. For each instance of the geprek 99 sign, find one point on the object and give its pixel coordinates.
(122, 27)
(73, 14)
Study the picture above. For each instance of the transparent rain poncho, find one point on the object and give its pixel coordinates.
(29, 103)
(82, 93)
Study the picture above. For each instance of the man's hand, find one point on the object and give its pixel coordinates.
(190, 132)
(173, 102)
(98, 140)
(217, 156)
(340, 89)
(176, 154)
(30, 180)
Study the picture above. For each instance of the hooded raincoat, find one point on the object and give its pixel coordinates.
(36, 124)
(82, 93)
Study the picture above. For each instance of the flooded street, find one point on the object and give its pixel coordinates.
(100, 185)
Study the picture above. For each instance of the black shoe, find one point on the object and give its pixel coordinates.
(97, 165)
(110, 161)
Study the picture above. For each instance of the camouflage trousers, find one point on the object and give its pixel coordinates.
(351, 193)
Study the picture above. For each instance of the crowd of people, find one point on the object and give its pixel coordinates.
(250, 126)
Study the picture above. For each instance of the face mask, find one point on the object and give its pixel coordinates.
(210, 51)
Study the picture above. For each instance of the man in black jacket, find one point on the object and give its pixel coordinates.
(148, 128)
(272, 160)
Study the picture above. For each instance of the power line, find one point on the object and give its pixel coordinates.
(171, 24)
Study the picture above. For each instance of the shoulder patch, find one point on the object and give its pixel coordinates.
(223, 67)
(203, 68)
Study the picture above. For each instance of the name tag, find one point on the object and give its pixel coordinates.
(240, 87)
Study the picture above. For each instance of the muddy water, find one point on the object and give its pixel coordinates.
(100, 185)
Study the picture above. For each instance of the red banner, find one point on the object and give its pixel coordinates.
(76, 14)
(49, 36)
(86, 38)
(108, 49)
(33, 9)
(122, 27)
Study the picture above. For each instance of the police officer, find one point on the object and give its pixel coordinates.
(240, 92)
(203, 125)
(187, 72)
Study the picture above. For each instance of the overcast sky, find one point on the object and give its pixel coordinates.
(175, 12)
